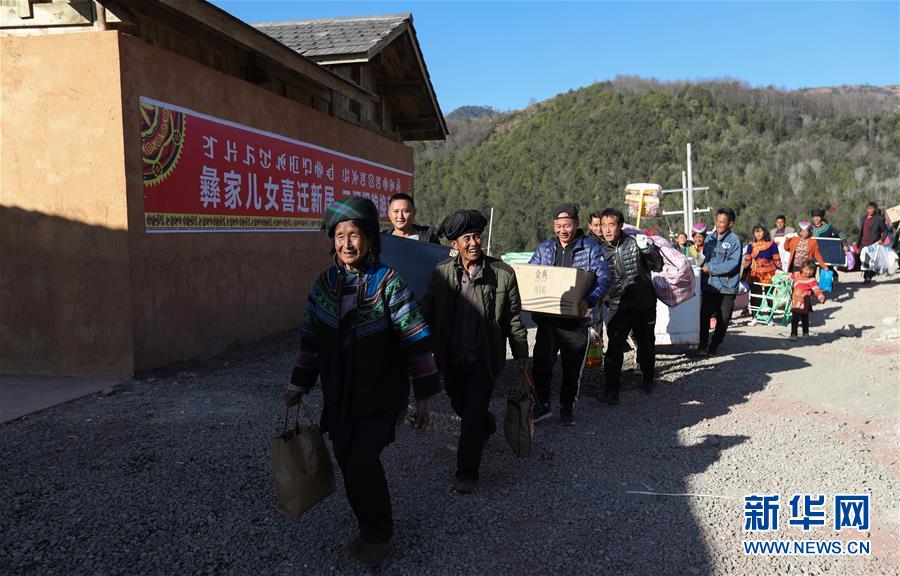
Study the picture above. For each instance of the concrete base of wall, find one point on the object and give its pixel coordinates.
(23, 395)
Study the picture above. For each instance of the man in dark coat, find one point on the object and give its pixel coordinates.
(872, 230)
(472, 306)
(631, 300)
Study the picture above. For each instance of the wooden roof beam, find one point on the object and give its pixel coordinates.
(401, 87)
(417, 124)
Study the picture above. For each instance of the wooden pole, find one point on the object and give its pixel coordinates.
(640, 210)
(490, 230)
(100, 11)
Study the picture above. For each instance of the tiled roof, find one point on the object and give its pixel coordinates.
(334, 36)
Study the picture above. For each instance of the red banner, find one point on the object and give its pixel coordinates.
(205, 174)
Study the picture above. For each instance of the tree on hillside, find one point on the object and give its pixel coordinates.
(761, 151)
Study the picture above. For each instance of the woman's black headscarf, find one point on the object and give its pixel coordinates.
(362, 212)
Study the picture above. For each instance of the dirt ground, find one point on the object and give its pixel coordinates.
(171, 472)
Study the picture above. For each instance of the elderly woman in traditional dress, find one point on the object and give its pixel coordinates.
(364, 336)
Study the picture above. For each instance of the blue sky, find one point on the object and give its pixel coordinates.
(504, 54)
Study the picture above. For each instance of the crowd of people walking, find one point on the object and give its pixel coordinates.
(366, 339)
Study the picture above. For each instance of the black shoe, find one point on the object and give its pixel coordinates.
(608, 397)
(713, 350)
(371, 556)
(567, 416)
(540, 412)
(701, 350)
(464, 486)
(648, 386)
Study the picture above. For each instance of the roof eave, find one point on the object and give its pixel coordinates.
(212, 16)
(427, 77)
(337, 59)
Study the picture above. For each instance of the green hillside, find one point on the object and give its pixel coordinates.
(761, 152)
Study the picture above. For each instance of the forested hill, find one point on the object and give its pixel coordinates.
(761, 152)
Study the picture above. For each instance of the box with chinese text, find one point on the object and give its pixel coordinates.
(552, 289)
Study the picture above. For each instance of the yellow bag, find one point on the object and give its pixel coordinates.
(595, 350)
(301, 466)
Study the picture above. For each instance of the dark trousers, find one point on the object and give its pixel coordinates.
(643, 323)
(721, 306)
(470, 387)
(570, 339)
(364, 480)
(796, 319)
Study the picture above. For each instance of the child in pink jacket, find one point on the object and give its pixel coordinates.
(805, 285)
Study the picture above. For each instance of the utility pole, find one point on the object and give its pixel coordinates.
(687, 196)
(689, 209)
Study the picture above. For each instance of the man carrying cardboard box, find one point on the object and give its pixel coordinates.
(566, 336)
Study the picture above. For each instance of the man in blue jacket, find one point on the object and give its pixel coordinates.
(719, 279)
(567, 336)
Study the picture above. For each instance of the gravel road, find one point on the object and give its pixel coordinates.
(171, 473)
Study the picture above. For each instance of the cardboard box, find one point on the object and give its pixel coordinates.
(893, 213)
(552, 289)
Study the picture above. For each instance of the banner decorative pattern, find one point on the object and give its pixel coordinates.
(205, 174)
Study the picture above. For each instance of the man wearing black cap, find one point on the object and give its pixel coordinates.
(567, 336)
(472, 306)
